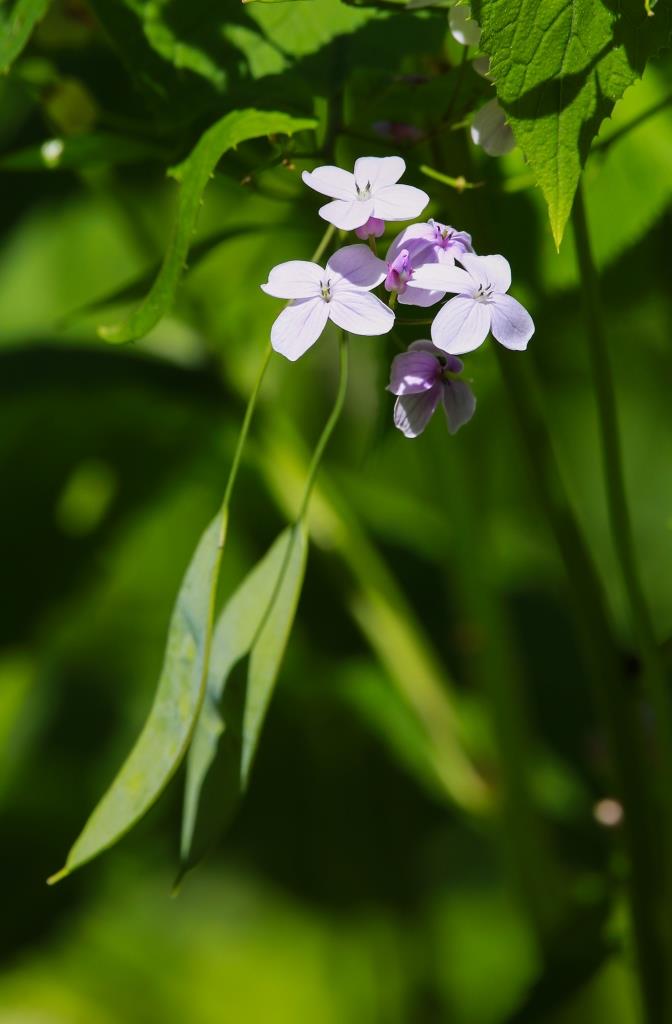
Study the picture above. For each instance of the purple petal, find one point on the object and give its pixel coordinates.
(459, 404)
(373, 228)
(399, 202)
(331, 181)
(299, 326)
(420, 297)
(360, 312)
(512, 325)
(421, 234)
(441, 277)
(347, 215)
(412, 413)
(355, 266)
(488, 270)
(461, 325)
(378, 171)
(413, 372)
(296, 279)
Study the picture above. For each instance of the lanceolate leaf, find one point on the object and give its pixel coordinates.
(559, 67)
(193, 175)
(15, 28)
(168, 729)
(255, 621)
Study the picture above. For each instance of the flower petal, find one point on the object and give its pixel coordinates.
(485, 270)
(331, 181)
(360, 312)
(412, 413)
(512, 325)
(399, 202)
(463, 27)
(378, 171)
(299, 326)
(296, 279)
(461, 325)
(413, 372)
(442, 277)
(347, 215)
(418, 234)
(490, 130)
(459, 404)
(355, 266)
(420, 297)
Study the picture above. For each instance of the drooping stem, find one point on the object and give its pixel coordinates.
(329, 425)
(612, 697)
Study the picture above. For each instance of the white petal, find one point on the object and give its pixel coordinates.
(331, 181)
(459, 404)
(399, 202)
(442, 277)
(296, 279)
(355, 266)
(490, 130)
(420, 297)
(488, 270)
(347, 215)
(378, 171)
(461, 326)
(360, 313)
(462, 26)
(412, 413)
(481, 66)
(299, 326)
(512, 325)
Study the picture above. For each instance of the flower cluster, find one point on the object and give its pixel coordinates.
(425, 263)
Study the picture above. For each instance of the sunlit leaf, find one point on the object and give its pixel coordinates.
(559, 68)
(193, 175)
(15, 28)
(167, 731)
(256, 621)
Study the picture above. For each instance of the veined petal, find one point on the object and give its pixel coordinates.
(355, 266)
(360, 312)
(486, 270)
(442, 277)
(412, 413)
(347, 215)
(296, 279)
(461, 325)
(459, 404)
(331, 181)
(420, 297)
(512, 325)
(413, 372)
(378, 171)
(299, 326)
(399, 202)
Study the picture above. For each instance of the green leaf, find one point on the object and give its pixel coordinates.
(256, 621)
(559, 68)
(168, 729)
(16, 27)
(193, 175)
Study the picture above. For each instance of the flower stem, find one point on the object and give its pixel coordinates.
(328, 427)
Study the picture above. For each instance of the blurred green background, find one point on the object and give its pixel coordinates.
(353, 886)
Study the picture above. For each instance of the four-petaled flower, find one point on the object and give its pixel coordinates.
(372, 191)
(421, 378)
(480, 305)
(340, 293)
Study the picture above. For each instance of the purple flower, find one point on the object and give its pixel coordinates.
(397, 131)
(415, 246)
(490, 130)
(480, 305)
(373, 228)
(421, 378)
(372, 191)
(340, 293)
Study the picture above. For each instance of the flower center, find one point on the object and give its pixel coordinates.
(325, 290)
(483, 293)
(364, 192)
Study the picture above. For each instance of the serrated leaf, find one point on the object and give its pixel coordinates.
(193, 175)
(16, 27)
(168, 729)
(256, 621)
(559, 67)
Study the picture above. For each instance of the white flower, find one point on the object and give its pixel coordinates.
(463, 27)
(480, 305)
(490, 130)
(372, 191)
(340, 292)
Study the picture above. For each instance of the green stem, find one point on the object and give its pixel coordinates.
(328, 427)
